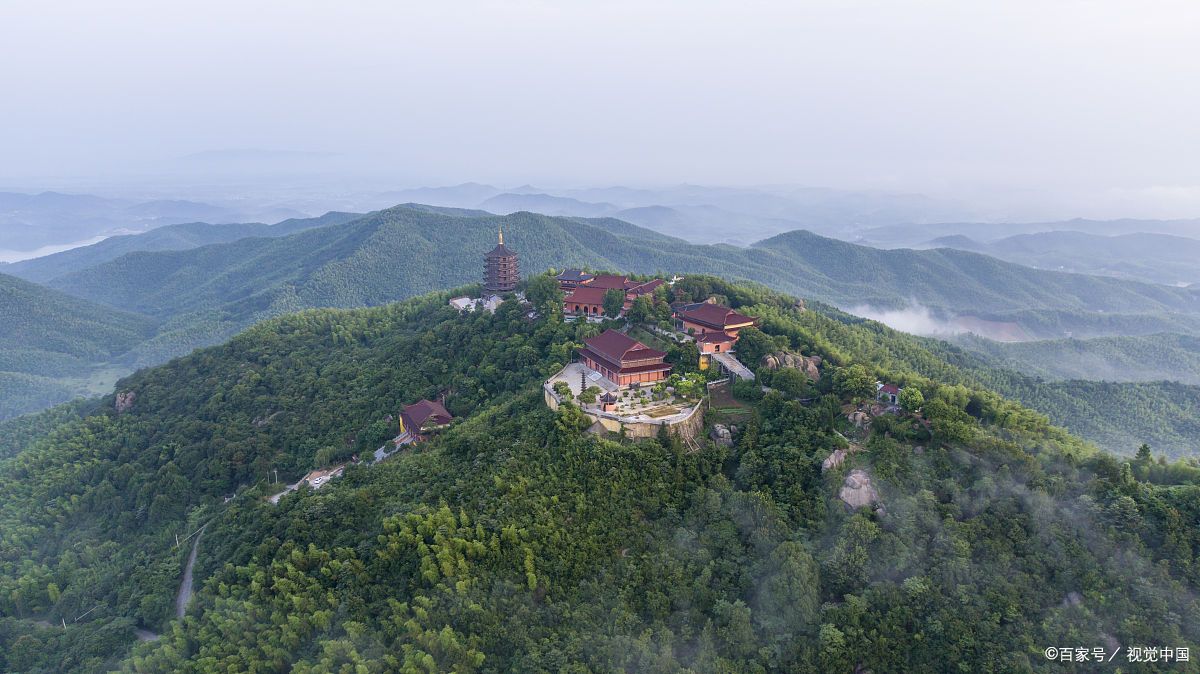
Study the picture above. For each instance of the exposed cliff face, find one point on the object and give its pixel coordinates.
(809, 365)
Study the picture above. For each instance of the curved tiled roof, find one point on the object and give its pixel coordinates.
(423, 410)
(617, 346)
(714, 315)
(586, 295)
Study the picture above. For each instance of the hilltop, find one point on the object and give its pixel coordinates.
(516, 541)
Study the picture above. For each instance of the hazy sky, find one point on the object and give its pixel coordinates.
(1095, 98)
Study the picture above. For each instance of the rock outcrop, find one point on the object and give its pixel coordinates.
(722, 435)
(809, 365)
(838, 457)
(124, 401)
(857, 491)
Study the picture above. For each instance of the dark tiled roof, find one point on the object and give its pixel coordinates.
(714, 338)
(617, 346)
(423, 410)
(714, 315)
(573, 275)
(608, 282)
(500, 251)
(626, 369)
(587, 295)
(646, 288)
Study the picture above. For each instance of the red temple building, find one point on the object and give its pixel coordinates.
(624, 360)
(585, 300)
(704, 318)
(422, 418)
(586, 292)
(501, 269)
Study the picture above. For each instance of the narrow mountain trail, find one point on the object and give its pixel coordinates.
(185, 586)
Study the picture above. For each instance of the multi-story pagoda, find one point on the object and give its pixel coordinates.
(501, 270)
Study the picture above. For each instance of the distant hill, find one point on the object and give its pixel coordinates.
(912, 234)
(33, 314)
(30, 222)
(203, 295)
(50, 343)
(706, 224)
(169, 237)
(1157, 258)
(466, 195)
(963, 281)
(1158, 357)
(547, 204)
(402, 251)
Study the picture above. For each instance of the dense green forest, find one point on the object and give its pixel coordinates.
(51, 343)
(1117, 416)
(515, 541)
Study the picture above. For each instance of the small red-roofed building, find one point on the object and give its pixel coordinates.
(887, 393)
(623, 360)
(704, 318)
(424, 417)
(715, 342)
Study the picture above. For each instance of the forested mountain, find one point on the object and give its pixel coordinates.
(1157, 258)
(203, 295)
(960, 280)
(168, 237)
(50, 343)
(1158, 357)
(401, 251)
(517, 542)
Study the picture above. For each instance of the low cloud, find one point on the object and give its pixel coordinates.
(915, 319)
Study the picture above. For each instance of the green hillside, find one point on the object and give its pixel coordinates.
(205, 295)
(964, 282)
(517, 542)
(169, 237)
(51, 344)
(399, 252)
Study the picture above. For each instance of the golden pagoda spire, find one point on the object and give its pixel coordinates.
(501, 235)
